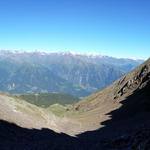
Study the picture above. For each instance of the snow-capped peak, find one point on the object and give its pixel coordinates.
(88, 54)
(71, 53)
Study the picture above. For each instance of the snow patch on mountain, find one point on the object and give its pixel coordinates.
(72, 53)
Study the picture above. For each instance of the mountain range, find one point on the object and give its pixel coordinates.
(24, 72)
(116, 117)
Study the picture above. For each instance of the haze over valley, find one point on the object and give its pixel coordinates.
(63, 72)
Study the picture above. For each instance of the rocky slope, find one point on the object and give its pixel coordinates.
(24, 114)
(128, 84)
(129, 94)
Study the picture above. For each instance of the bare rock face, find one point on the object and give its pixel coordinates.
(138, 78)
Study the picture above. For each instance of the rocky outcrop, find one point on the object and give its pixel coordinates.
(137, 79)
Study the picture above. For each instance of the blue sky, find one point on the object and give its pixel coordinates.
(111, 27)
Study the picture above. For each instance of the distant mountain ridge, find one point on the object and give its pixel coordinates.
(64, 72)
(41, 52)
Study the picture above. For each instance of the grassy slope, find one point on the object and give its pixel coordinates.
(12, 108)
(24, 114)
(45, 100)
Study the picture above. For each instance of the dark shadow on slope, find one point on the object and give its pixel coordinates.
(13, 137)
(135, 110)
(134, 114)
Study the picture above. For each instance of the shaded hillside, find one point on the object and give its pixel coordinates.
(95, 108)
(128, 126)
(45, 100)
(132, 120)
(27, 115)
(17, 138)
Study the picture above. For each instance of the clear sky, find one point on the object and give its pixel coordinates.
(111, 27)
